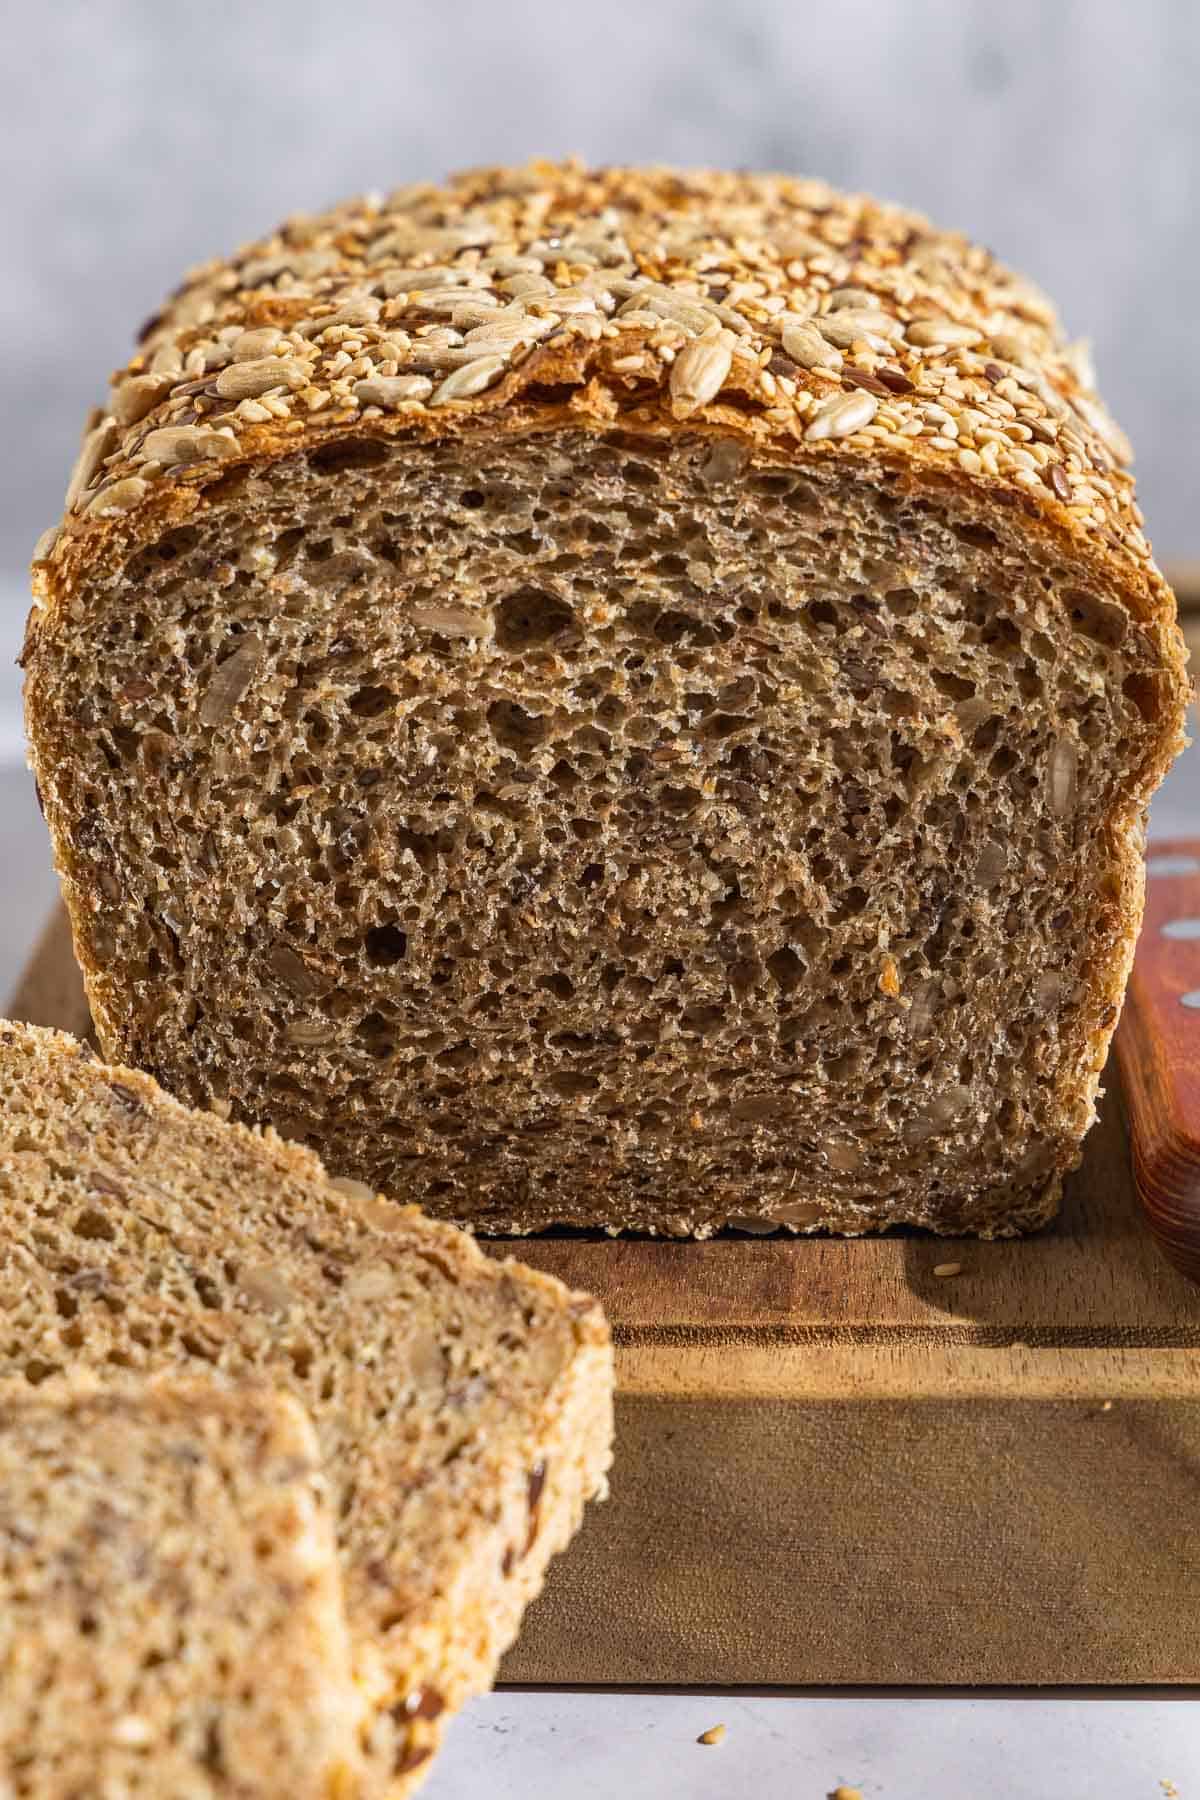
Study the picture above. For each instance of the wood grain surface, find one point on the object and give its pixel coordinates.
(836, 1467)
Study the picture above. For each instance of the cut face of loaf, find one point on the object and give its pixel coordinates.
(170, 1607)
(463, 1406)
(694, 779)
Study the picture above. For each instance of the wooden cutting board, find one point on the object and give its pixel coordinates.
(836, 1467)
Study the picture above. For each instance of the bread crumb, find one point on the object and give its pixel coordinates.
(889, 979)
(1106, 1406)
(1168, 1787)
(944, 1271)
(846, 1793)
(714, 1735)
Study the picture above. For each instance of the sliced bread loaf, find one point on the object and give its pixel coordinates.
(463, 1405)
(170, 1606)
(613, 697)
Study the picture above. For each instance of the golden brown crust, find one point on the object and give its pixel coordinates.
(927, 353)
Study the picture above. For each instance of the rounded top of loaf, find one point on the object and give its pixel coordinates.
(811, 323)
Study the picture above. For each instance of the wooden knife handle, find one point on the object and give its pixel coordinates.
(1158, 1047)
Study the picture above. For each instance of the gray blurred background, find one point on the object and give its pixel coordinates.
(142, 135)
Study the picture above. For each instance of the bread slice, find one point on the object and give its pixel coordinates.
(618, 698)
(463, 1405)
(170, 1607)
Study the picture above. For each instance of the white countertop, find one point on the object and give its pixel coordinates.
(575, 1746)
(521, 1745)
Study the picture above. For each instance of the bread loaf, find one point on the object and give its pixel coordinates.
(613, 698)
(170, 1609)
(463, 1405)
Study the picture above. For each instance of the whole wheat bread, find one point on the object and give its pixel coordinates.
(463, 1405)
(617, 698)
(170, 1608)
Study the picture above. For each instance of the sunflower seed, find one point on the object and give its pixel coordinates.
(248, 346)
(178, 444)
(363, 311)
(477, 309)
(503, 267)
(842, 415)
(852, 296)
(470, 379)
(166, 360)
(805, 345)
(305, 1031)
(570, 302)
(390, 391)
(800, 246)
(452, 621)
(1062, 776)
(99, 443)
(1104, 426)
(877, 329)
(230, 681)
(524, 287)
(1078, 358)
(439, 302)
(194, 308)
(697, 374)
(677, 308)
(137, 395)
(926, 333)
(1048, 394)
(1012, 349)
(247, 380)
(44, 547)
(120, 496)
(509, 330)
(413, 281)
